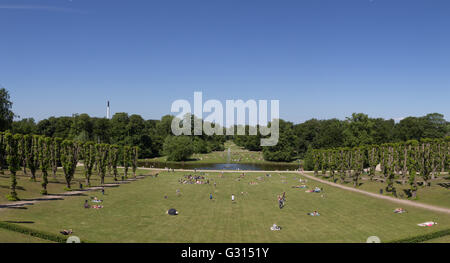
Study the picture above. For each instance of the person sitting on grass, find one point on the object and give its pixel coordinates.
(86, 204)
(66, 232)
(275, 228)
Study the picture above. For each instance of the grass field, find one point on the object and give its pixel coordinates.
(136, 212)
(438, 194)
(237, 155)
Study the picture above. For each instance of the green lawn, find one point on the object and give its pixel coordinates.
(437, 194)
(237, 155)
(7, 236)
(135, 212)
(445, 239)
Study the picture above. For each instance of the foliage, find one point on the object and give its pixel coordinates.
(178, 148)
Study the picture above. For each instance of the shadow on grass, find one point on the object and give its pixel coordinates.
(16, 206)
(17, 187)
(43, 199)
(20, 222)
(445, 185)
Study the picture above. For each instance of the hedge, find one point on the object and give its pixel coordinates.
(33, 233)
(423, 238)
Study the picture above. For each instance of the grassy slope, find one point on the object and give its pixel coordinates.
(238, 155)
(135, 212)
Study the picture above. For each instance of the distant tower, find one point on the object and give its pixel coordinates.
(108, 111)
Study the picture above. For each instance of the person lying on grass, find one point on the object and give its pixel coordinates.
(315, 213)
(97, 206)
(399, 211)
(66, 232)
(96, 200)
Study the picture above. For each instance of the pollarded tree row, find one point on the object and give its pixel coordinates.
(35, 152)
(406, 161)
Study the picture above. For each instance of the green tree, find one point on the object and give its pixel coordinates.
(114, 159)
(102, 160)
(32, 146)
(178, 148)
(413, 152)
(6, 115)
(55, 154)
(126, 160)
(89, 157)
(135, 156)
(44, 160)
(13, 161)
(70, 151)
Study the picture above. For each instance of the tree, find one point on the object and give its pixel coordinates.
(413, 152)
(102, 160)
(89, 157)
(32, 145)
(178, 148)
(6, 115)
(358, 165)
(135, 156)
(24, 126)
(114, 159)
(44, 160)
(374, 160)
(284, 151)
(126, 160)
(69, 158)
(23, 153)
(13, 161)
(2, 152)
(55, 154)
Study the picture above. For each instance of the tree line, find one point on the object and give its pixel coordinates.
(403, 161)
(357, 130)
(38, 152)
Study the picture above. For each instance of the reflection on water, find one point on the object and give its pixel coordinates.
(221, 166)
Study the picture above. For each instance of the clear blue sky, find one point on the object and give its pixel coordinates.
(321, 59)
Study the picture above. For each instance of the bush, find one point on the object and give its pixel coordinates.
(422, 238)
(178, 148)
(33, 233)
(12, 198)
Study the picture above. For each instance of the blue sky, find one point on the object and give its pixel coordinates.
(321, 59)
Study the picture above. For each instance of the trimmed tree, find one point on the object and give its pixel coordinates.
(13, 161)
(114, 159)
(102, 160)
(126, 160)
(134, 156)
(32, 142)
(69, 160)
(413, 150)
(55, 155)
(44, 160)
(89, 157)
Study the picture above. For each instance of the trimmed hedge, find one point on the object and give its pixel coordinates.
(33, 233)
(423, 238)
